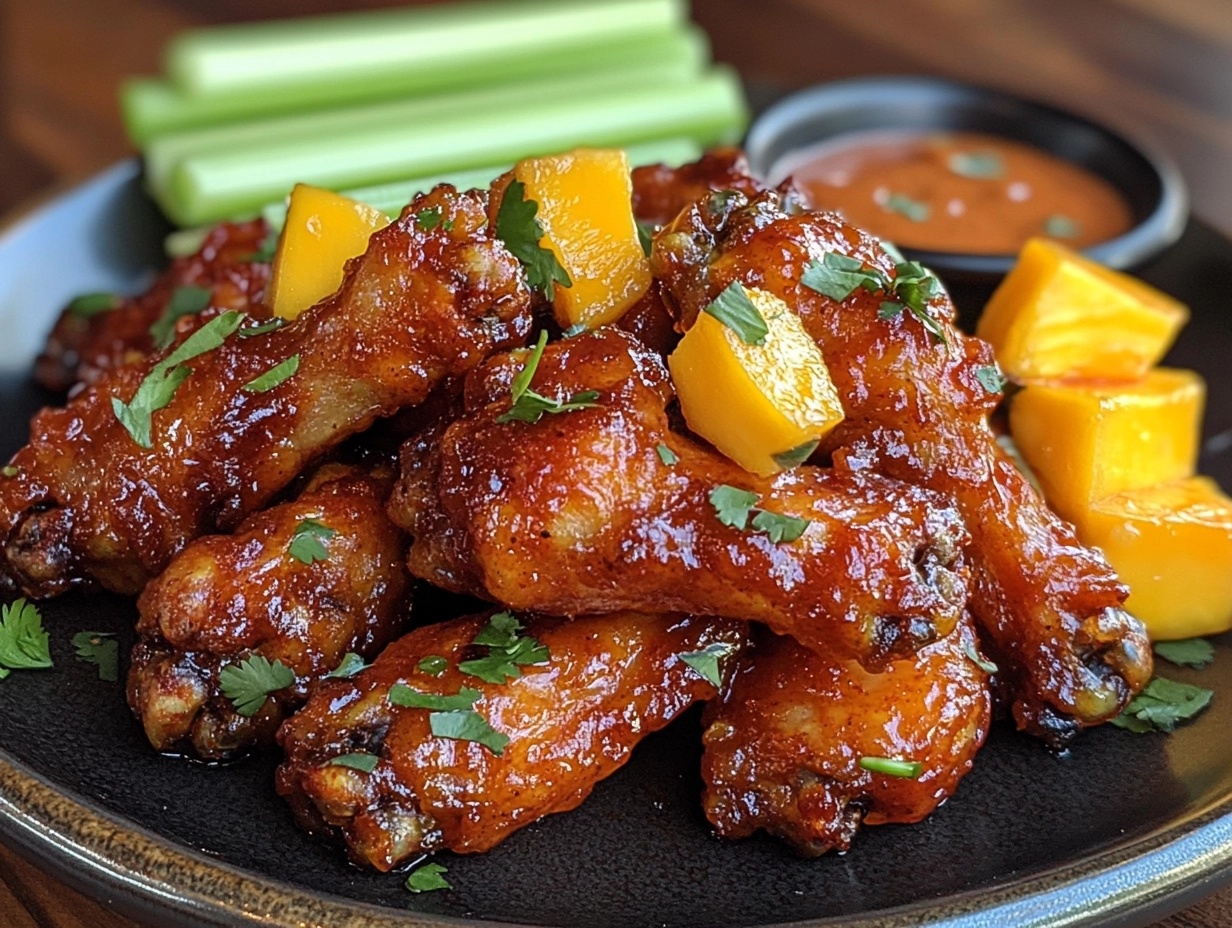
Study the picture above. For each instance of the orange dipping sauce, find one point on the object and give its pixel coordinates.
(962, 192)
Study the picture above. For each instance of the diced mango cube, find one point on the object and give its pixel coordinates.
(1172, 544)
(323, 230)
(1058, 314)
(585, 202)
(1085, 440)
(761, 405)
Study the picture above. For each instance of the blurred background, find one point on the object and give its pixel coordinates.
(1159, 68)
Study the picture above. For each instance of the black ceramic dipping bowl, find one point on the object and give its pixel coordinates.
(1149, 181)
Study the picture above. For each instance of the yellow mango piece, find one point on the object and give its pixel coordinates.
(585, 202)
(754, 402)
(1058, 314)
(1085, 441)
(323, 230)
(1172, 544)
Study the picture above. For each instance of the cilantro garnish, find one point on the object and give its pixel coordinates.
(308, 543)
(529, 406)
(1162, 705)
(796, 456)
(427, 878)
(159, 386)
(24, 644)
(645, 235)
(667, 455)
(9, 471)
(275, 376)
(351, 664)
(452, 716)
(185, 301)
(93, 304)
(100, 649)
(250, 682)
(706, 661)
(905, 206)
(978, 165)
(428, 219)
(402, 695)
(912, 287)
(990, 378)
(433, 665)
(778, 527)
(357, 761)
(269, 246)
(508, 650)
(735, 310)
(734, 507)
(906, 769)
(981, 662)
(1059, 226)
(264, 328)
(1189, 652)
(838, 276)
(521, 232)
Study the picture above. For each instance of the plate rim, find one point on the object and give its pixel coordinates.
(149, 876)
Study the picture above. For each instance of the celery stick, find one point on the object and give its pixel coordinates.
(154, 107)
(163, 154)
(209, 186)
(431, 42)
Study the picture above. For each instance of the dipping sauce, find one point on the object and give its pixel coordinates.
(957, 192)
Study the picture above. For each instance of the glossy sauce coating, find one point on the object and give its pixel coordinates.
(610, 681)
(783, 746)
(579, 514)
(227, 597)
(89, 504)
(958, 192)
(1049, 607)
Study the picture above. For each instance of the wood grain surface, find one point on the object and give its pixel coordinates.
(1159, 68)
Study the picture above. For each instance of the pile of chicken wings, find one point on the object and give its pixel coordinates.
(931, 589)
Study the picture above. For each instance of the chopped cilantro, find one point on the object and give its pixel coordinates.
(667, 455)
(905, 206)
(906, 769)
(250, 682)
(733, 505)
(433, 664)
(990, 378)
(308, 542)
(100, 649)
(351, 664)
(24, 644)
(402, 695)
(1059, 226)
(521, 232)
(9, 471)
(275, 376)
(796, 456)
(468, 725)
(508, 650)
(706, 661)
(428, 219)
(738, 312)
(914, 287)
(264, 328)
(1189, 652)
(645, 235)
(357, 761)
(427, 878)
(978, 165)
(976, 658)
(500, 632)
(185, 301)
(1162, 705)
(529, 406)
(838, 276)
(93, 304)
(780, 528)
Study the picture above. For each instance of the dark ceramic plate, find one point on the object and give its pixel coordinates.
(1123, 829)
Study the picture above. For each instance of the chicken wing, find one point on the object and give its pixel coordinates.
(81, 348)
(570, 721)
(88, 502)
(661, 192)
(578, 513)
(918, 411)
(783, 748)
(225, 598)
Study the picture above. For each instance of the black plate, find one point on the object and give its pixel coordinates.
(1123, 829)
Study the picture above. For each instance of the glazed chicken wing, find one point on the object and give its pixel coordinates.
(783, 747)
(88, 502)
(304, 583)
(578, 513)
(917, 411)
(570, 721)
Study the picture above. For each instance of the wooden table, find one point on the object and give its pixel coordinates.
(1160, 67)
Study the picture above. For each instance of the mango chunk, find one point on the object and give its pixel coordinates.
(764, 406)
(323, 230)
(1058, 314)
(1172, 544)
(1086, 441)
(585, 202)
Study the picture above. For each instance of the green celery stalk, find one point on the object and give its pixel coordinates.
(431, 42)
(163, 154)
(212, 185)
(156, 107)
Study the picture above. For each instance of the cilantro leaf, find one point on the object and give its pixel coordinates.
(428, 219)
(508, 651)
(1189, 652)
(101, 649)
(24, 644)
(1162, 705)
(402, 695)
(427, 878)
(308, 542)
(271, 325)
(978, 165)
(433, 664)
(914, 286)
(250, 682)
(706, 661)
(275, 376)
(9, 471)
(891, 767)
(468, 725)
(93, 304)
(357, 761)
(990, 378)
(738, 312)
(780, 528)
(645, 236)
(794, 457)
(976, 658)
(351, 664)
(500, 632)
(1059, 226)
(905, 206)
(838, 276)
(667, 455)
(185, 301)
(529, 406)
(732, 505)
(521, 232)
